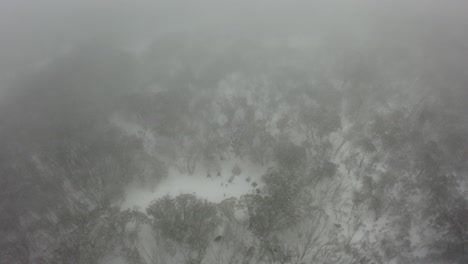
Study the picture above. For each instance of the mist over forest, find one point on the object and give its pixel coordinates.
(233, 132)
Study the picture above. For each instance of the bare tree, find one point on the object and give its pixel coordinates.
(187, 221)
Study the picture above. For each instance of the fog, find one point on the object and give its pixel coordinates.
(233, 131)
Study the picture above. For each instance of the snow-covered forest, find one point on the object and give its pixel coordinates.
(233, 132)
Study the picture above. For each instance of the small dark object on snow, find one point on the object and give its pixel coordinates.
(254, 184)
(218, 238)
(236, 170)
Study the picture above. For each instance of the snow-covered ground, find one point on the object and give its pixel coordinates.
(212, 187)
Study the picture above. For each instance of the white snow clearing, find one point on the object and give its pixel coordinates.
(214, 187)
